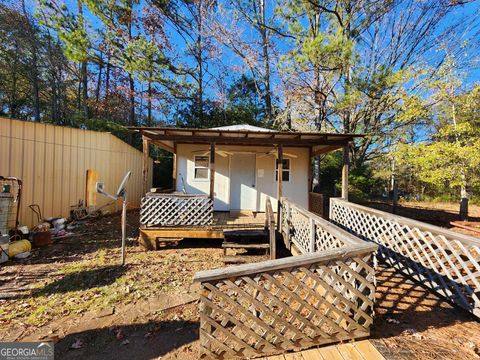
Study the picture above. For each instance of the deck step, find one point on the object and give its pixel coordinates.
(232, 245)
(236, 259)
(248, 236)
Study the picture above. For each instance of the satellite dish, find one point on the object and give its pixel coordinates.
(123, 184)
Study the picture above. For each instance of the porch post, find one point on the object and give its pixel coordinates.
(146, 152)
(174, 167)
(279, 183)
(212, 170)
(346, 164)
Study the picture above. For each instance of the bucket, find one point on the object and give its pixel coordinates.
(6, 201)
(18, 247)
(4, 242)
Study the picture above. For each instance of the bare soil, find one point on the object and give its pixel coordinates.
(76, 294)
(440, 214)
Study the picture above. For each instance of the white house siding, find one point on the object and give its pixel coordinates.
(296, 189)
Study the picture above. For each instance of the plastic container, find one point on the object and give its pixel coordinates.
(4, 244)
(18, 247)
(6, 201)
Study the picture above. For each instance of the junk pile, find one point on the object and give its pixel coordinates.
(16, 241)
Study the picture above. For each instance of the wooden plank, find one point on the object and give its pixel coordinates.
(349, 352)
(146, 151)
(330, 353)
(183, 233)
(212, 171)
(368, 351)
(312, 354)
(346, 164)
(271, 265)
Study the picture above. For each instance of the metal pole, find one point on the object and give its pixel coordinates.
(124, 226)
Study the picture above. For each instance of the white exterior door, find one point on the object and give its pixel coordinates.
(243, 195)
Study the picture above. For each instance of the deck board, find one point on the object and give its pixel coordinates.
(359, 350)
(222, 221)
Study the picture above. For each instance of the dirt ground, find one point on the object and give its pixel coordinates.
(440, 214)
(75, 293)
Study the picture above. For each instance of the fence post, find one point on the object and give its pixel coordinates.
(312, 235)
(287, 222)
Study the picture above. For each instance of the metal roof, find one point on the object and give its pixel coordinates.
(246, 135)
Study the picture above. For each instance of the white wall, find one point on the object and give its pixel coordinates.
(296, 189)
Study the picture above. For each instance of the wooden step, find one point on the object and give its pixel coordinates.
(248, 236)
(231, 245)
(236, 259)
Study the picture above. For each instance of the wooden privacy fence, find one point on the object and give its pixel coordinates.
(442, 260)
(52, 162)
(175, 209)
(323, 296)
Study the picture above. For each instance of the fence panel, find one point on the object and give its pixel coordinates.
(444, 261)
(287, 304)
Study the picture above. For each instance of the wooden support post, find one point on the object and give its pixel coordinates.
(313, 234)
(346, 164)
(310, 179)
(146, 153)
(174, 167)
(279, 183)
(212, 171)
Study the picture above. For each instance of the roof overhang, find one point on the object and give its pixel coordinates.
(168, 137)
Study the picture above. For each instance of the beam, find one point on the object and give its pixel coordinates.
(146, 153)
(279, 183)
(247, 141)
(212, 171)
(346, 164)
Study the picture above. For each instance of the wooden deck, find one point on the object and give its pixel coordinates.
(359, 350)
(222, 221)
(238, 220)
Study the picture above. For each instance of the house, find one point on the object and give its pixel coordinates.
(225, 176)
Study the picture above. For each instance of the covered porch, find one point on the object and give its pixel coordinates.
(205, 208)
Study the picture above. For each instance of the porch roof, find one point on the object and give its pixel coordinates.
(167, 137)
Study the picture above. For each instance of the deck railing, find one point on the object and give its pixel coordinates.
(323, 296)
(311, 233)
(270, 228)
(174, 209)
(286, 304)
(442, 260)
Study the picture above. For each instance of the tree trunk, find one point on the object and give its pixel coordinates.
(99, 79)
(131, 117)
(463, 200)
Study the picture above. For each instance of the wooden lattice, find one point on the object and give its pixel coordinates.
(287, 304)
(176, 210)
(444, 261)
(309, 232)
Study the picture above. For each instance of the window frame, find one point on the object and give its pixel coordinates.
(195, 167)
(289, 170)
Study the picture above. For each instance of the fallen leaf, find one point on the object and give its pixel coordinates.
(125, 342)
(77, 344)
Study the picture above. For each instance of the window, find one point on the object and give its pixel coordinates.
(202, 164)
(285, 172)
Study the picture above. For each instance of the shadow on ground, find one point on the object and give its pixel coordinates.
(140, 341)
(416, 323)
(84, 280)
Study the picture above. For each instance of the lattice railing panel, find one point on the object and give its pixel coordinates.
(261, 309)
(442, 260)
(173, 210)
(309, 232)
